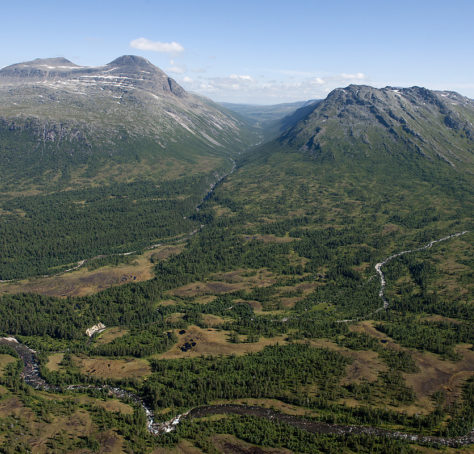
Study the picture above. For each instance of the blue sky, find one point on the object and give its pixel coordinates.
(261, 52)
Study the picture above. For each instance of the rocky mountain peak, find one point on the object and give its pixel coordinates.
(125, 72)
(108, 109)
(40, 68)
(131, 61)
(56, 61)
(359, 119)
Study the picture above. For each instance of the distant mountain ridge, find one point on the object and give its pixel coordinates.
(273, 119)
(125, 71)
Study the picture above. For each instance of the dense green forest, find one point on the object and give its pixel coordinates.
(281, 268)
(45, 233)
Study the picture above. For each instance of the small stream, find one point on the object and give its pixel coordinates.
(378, 266)
(383, 282)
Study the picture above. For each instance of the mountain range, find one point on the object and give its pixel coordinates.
(58, 117)
(79, 145)
(67, 123)
(167, 258)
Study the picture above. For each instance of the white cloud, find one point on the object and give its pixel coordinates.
(246, 88)
(356, 76)
(176, 68)
(156, 46)
(240, 77)
(187, 79)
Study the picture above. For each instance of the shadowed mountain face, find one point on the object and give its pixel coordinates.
(56, 115)
(360, 121)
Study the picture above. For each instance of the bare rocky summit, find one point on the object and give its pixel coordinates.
(363, 121)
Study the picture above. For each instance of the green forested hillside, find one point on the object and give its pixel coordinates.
(274, 302)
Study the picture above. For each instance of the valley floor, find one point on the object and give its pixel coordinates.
(239, 326)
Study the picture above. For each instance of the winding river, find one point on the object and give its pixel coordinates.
(32, 377)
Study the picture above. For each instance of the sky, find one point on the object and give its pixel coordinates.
(260, 51)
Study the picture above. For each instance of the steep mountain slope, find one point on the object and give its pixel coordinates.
(103, 160)
(365, 121)
(366, 175)
(57, 118)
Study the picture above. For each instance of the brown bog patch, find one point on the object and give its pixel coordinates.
(113, 368)
(436, 374)
(270, 238)
(226, 283)
(5, 360)
(54, 361)
(115, 406)
(167, 302)
(110, 442)
(164, 252)
(288, 303)
(440, 318)
(204, 299)
(213, 342)
(175, 317)
(74, 425)
(204, 288)
(212, 320)
(325, 343)
(84, 282)
(14, 407)
(365, 366)
(230, 277)
(111, 404)
(183, 447)
(110, 334)
(304, 287)
(229, 444)
(367, 327)
(256, 305)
